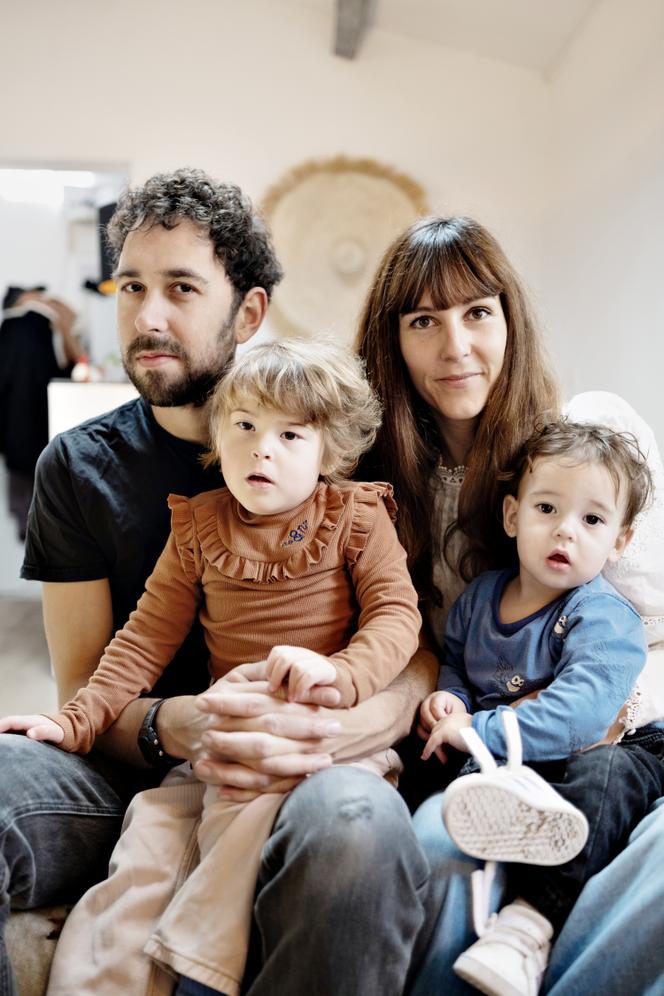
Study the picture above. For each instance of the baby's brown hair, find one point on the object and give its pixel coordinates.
(586, 442)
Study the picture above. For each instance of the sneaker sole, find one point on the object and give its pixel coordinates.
(492, 821)
(483, 978)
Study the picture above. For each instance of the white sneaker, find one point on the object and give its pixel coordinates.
(510, 813)
(511, 957)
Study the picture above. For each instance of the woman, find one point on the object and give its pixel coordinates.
(453, 350)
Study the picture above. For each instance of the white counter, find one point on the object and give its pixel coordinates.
(69, 403)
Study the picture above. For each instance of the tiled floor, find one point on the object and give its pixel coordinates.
(26, 684)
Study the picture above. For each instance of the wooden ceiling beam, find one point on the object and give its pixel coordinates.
(352, 20)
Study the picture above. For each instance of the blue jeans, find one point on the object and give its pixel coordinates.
(341, 905)
(610, 944)
(341, 898)
(614, 786)
(59, 820)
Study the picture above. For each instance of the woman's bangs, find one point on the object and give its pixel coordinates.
(457, 279)
(448, 276)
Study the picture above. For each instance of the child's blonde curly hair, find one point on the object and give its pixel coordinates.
(317, 380)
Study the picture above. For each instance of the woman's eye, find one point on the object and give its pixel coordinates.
(477, 314)
(544, 507)
(592, 519)
(422, 322)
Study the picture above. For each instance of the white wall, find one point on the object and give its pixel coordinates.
(249, 89)
(604, 231)
(566, 172)
(32, 244)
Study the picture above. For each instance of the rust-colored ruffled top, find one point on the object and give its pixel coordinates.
(329, 575)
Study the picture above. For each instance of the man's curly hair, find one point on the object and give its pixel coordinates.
(241, 238)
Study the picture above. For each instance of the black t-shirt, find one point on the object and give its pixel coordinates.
(99, 511)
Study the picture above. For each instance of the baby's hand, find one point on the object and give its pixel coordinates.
(435, 707)
(37, 727)
(446, 731)
(303, 668)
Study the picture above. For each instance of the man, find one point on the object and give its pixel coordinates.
(195, 269)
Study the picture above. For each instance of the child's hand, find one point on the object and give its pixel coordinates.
(446, 731)
(36, 727)
(436, 706)
(304, 669)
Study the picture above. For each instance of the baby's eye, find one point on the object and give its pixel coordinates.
(545, 508)
(592, 519)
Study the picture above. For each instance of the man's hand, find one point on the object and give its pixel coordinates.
(257, 742)
(446, 731)
(253, 722)
(303, 668)
(37, 727)
(436, 706)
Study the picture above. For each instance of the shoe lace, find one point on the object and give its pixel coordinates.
(482, 879)
(481, 882)
(481, 752)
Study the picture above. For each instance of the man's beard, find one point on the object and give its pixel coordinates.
(194, 386)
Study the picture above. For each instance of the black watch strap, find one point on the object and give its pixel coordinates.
(149, 743)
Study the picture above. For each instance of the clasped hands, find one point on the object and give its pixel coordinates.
(266, 728)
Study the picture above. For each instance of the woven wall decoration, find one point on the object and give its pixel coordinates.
(332, 220)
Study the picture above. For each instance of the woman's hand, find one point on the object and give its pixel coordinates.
(37, 727)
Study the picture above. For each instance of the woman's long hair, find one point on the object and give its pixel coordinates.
(453, 260)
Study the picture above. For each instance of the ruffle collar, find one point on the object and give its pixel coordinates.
(228, 535)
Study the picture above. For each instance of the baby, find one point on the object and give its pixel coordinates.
(554, 638)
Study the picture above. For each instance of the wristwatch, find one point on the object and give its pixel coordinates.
(149, 743)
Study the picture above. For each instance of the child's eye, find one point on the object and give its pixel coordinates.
(592, 519)
(545, 508)
(245, 426)
(289, 434)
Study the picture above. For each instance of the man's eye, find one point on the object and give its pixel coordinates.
(131, 288)
(592, 519)
(184, 288)
(545, 508)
